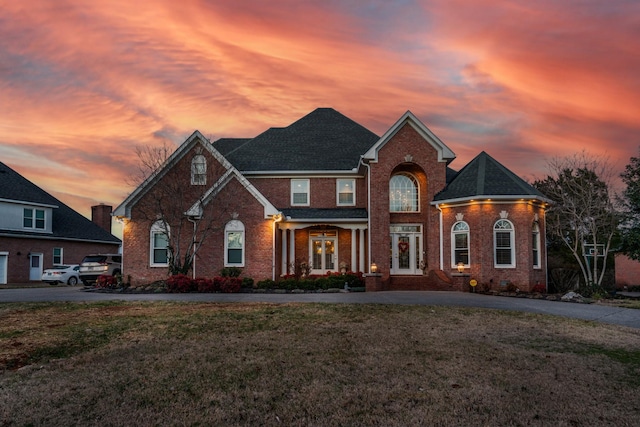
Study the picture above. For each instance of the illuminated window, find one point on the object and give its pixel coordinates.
(460, 244)
(535, 242)
(199, 170)
(159, 245)
(300, 192)
(403, 193)
(234, 244)
(346, 192)
(504, 244)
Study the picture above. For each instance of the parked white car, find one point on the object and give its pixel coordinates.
(62, 274)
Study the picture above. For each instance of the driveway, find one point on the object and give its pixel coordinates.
(593, 312)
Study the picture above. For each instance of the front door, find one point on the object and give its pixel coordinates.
(35, 269)
(323, 251)
(406, 249)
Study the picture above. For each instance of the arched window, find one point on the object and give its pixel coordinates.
(460, 244)
(504, 244)
(199, 170)
(234, 244)
(535, 242)
(403, 193)
(158, 245)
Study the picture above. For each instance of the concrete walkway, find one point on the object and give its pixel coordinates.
(593, 312)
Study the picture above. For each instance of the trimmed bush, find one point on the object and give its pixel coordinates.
(181, 283)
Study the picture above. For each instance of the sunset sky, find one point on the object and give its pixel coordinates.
(82, 83)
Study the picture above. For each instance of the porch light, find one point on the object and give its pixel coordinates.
(374, 267)
(460, 267)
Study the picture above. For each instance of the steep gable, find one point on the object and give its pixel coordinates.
(66, 222)
(485, 177)
(323, 140)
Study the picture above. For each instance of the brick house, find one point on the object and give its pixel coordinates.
(328, 192)
(37, 231)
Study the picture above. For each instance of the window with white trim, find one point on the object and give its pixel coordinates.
(234, 244)
(403, 193)
(57, 256)
(159, 245)
(346, 192)
(535, 244)
(504, 244)
(199, 170)
(300, 192)
(460, 244)
(33, 218)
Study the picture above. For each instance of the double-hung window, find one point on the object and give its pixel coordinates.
(234, 244)
(159, 244)
(199, 170)
(300, 192)
(460, 239)
(57, 256)
(504, 244)
(33, 218)
(535, 245)
(346, 192)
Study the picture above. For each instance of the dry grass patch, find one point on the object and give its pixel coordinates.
(311, 364)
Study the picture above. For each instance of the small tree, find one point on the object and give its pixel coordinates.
(583, 217)
(171, 202)
(630, 202)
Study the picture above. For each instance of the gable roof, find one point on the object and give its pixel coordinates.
(124, 209)
(296, 148)
(66, 223)
(485, 177)
(445, 154)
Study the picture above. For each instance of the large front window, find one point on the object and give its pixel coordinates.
(234, 244)
(504, 244)
(460, 239)
(403, 193)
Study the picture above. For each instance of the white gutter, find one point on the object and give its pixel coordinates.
(441, 235)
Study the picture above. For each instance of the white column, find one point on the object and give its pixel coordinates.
(292, 248)
(283, 263)
(353, 266)
(363, 267)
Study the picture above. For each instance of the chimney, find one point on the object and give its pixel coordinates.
(101, 215)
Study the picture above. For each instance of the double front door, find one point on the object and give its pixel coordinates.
(323, 251)
(406, 249)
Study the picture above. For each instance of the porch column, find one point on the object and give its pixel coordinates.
(292, 249)
(283, 262)
(354, 267)
(363, 267)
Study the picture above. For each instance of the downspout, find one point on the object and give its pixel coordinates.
(441, 236)
(276, 219)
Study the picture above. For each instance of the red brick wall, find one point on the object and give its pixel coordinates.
(18, 263)
(431, 176)
(627, 271)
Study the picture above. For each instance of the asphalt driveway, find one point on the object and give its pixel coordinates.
(593, 312)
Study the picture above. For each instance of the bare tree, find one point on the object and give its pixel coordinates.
(177, 204)
(583, 216)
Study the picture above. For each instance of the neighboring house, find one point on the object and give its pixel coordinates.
(37, 231)
(328, 192)
(627, 271)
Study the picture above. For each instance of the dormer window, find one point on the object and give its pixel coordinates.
(33, 218)
(300, 192)
(346, 192)
(199, 170)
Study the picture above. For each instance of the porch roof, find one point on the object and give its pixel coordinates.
(329, 214)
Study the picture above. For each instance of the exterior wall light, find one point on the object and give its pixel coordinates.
(460, 267)
(373, 268)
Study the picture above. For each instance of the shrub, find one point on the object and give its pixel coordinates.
(539, 288)
(247, 283)
(180, 283)
(266, 284)
(230, 285)
(231, 272)
(106, 281)
(204, 285)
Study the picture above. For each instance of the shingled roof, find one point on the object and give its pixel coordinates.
(486, 177)
(66, 223)
(323, 140)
